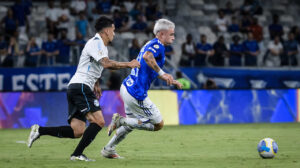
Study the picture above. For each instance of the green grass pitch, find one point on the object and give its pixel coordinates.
(205, 146)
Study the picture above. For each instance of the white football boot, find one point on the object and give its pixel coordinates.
(110, 153)
(34, 135)
(81, 157)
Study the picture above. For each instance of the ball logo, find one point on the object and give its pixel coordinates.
(96, 103)
(129, 82)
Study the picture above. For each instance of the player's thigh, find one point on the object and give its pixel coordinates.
(148, 110)
(78, 127)
(96, 117)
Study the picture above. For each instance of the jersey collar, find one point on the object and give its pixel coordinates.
(159, 42)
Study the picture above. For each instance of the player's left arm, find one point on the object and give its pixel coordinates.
(151, 62)
(111, 64)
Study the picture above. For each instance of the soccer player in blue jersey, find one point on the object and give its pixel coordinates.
(141, 113)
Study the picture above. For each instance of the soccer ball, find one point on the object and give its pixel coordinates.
(267, 148)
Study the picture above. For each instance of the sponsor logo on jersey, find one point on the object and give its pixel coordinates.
(156, 46)
(96, 103)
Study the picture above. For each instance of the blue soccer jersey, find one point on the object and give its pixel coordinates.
(138, 82)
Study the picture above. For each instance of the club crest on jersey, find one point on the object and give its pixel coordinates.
(96, 103)
(156, 46)
(129, 82)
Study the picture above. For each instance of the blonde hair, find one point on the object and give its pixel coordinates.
(163, 24)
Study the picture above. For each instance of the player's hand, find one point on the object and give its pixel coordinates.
(168, 78)
(134, 64)
(98, 91)
(177, 84)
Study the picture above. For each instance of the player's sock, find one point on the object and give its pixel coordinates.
(60, 132)
(88, 136)
(120, 135)
(137, 124)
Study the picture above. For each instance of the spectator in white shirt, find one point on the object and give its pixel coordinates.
(64, 15)
(275, 50)
(78, 6)
(221, 22)
(52, 15)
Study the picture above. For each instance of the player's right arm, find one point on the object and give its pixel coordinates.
(151, 62)
(111, 64)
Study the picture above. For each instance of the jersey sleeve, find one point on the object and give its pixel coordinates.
(155, 49)
(97, 50)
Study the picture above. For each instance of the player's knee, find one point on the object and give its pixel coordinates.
(78, 132)
(159, 126)
(100, 122)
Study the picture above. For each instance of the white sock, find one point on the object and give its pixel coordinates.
(134, 123)
(120, 135)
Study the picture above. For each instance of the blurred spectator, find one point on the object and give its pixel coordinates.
(236, 52)
(210, 84)
(10, 24)
(78, 44)
(64, 15)
(251, 7)
(290, 51)
(79, 41)
(275, 49)
(245, 23)
(33, 53)
(221, 52)
(90, 9)
(229, 10)
(136, 11)
(221, 22)
(134, 50)
(63, 46)
(140, 25)
(256, 30)
(20, 10)
(3, 49)
(129, 4)
(296, 32)
(114, 81)
(234, 27)
(77, 6)
(52, 15)
(275, 29)
(251, 49)
(104, 6)
(120, 21)
(152, 11)
(82, 25)
(116, 5)
(188, 52)
(186, 84)
(204, 50)
(14, 53)
(49, 51)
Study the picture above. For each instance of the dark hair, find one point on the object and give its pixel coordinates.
(103, 22)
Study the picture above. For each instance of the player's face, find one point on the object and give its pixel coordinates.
(169, 36)
(110, 32)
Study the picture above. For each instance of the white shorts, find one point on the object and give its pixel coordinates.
(144, 110)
